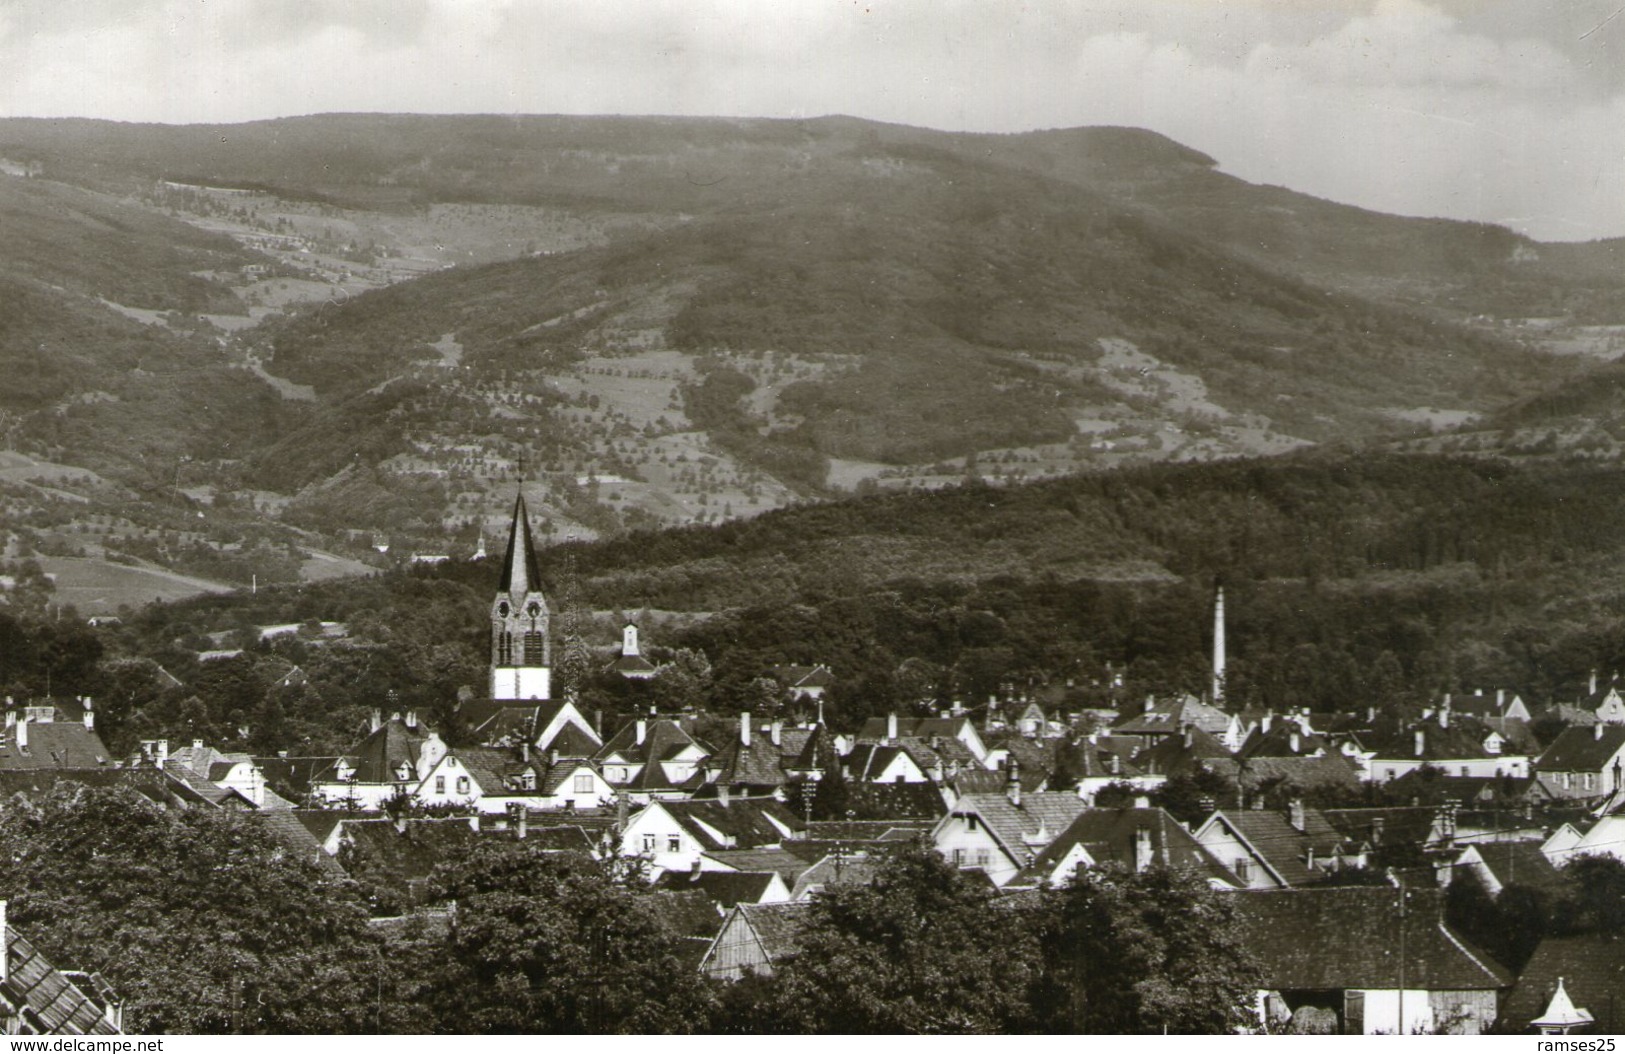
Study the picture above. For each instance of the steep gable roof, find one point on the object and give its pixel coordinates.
(742, 823)
(1328, 770)
(56, 1005)
(1174, 756)
(1282, 848)
(1354, 937)
(724, 888)
(1014, 827)
(378, 757)
(1109, 837)
(1593, 971)
(1168, 717)
(54, 745)
(1583, 749)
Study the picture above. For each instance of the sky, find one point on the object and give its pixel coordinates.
(1506, 111)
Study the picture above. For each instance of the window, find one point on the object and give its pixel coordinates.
(959, 858)
(1390, 773)
(1243, 869)
(440, 784)
(504, 648)
(648, 843)
(983, 858)
(1464, 770)
(583, 784)
(674, 843)
(535, 648)
(462, 784)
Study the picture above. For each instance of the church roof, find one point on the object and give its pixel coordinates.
(521, 571)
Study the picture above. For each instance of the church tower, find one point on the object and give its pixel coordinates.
(521, 653)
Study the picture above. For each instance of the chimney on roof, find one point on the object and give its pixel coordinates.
(642, 730)
(524, 751)
(775, 732)
(412, 719)
(1596, 730)
(694, 872)
(1150, 703)
(744, 728)
(1142, 848)
(1269, 719)
(1190, 736)
(377, 719)
(621, 810)
(1500, 698)
(1421, 742)
(90, 716)
(724, 795)
(553, 758)
(891, 728)
(1591, 688)
(1294, 815)
(5, 943)
(522, 825)
(1309, 858)
(22, 734)
(1370, 713)
(1444, 715)
(1012, 782)
(1293, 742)
(1117, 764)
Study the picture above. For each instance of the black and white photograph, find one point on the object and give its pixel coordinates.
(812, 517)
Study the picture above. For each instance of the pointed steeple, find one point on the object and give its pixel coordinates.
(1561, 1015)
(521, 572)
(521, 652)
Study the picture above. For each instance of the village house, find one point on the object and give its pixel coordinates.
(1366, 960)
(1265, 849)
(1159, 718)
(806, 684)
(754, 938)
(654, 759)
(1584, 762)
(394, 760)
(1001, 834)
(39, 736)
(630, 663)
(1137, 839)
(676, 835)
(1460, 746)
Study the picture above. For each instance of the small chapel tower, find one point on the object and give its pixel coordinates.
(521, 653)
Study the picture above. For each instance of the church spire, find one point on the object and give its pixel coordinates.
(521, 572)
(521, 651)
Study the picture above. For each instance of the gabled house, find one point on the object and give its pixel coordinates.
(1497, 865)
(752, 762)
(1160, 718)
(1604, 838)
(1459, 745)
(1268, 850)
(675, 835)
(879, 763)
(217, 774)
(936, 733)
(393, 760)
(532, 782)
(1137, 839)
(1182, 754)
(1585, 762)
(1367, 960)
(804, 683)
(35, 738)
(753, 939)
(654, 760)
(1000, 834)
(38, 999)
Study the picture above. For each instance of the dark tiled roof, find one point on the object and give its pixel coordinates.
(286, 827)
(874, 729)
(497, 720)
(1400, 825)
(1516, 731)
(754, 766)
(1581, 749)
(54, 745)
(1593, 971)
(724, 888)
(836, 869)
(1284, 848)
(378, 756)
(685, 912)
(777, 926)
(663, 739)
(1109, 835)
(58, 1006)
(1331, 770)
(572, 742)
(1519, 863)
(1462, 738)
(788, 861)
(1172, 757)
(1166, 719)
(1051, 812)
(743, 822)
(292, 777)
(1350, 937)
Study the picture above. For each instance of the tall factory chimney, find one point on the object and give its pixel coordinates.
(1218, 646)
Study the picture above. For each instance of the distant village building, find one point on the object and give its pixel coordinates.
(630, 663)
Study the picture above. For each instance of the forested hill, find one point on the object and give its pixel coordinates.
(1352, 581)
